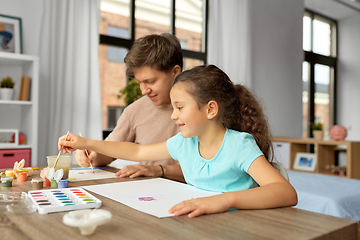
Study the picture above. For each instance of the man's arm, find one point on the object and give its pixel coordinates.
(172, 172)
(122, 133)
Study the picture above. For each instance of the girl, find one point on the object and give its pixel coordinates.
(223, 145)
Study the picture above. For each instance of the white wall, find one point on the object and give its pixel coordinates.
(277, 55)
(348, 98)
(30, 13)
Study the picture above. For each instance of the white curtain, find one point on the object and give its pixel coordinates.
(69, 72)
(229, 45)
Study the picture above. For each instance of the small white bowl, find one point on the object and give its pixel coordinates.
(87, 220)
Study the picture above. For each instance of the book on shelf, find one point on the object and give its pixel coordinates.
(25, 89)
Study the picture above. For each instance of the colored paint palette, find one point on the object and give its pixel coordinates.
(64, 199)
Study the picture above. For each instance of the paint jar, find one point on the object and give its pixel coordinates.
(63, 162)
(37, 183)
(6, 181)
(47, 183)
(53, 183)
(21, 176)
(63, 183)
(10, 173)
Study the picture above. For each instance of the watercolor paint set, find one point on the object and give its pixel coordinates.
(65, 199)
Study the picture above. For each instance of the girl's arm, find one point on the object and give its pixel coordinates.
(122, 150)
(274, 191)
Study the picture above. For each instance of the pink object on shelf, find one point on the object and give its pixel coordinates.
(9, 156)
(338, 133)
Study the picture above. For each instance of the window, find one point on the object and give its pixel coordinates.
(117, 54)
(114, 114)
(319, 72)
(123, 21)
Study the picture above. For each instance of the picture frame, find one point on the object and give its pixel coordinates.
(305, 161)
(9, 137)
(10, 34)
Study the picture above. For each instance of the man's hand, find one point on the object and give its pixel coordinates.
(133, 171)
(82, 159)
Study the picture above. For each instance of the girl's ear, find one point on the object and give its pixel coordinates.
(212, 109)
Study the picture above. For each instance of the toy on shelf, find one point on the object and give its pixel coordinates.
(337, 170)
(338, 133)
(22, 138)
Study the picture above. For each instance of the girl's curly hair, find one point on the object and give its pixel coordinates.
(239, 109)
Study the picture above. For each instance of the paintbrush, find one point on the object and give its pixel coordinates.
(87, 154)
(57, 158)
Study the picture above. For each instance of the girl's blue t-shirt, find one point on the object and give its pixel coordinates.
(226, 171)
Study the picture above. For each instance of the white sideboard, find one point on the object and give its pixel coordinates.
(21, 115)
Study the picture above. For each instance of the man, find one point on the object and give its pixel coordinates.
(154, 61)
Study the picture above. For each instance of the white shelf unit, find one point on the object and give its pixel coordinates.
(21, 115)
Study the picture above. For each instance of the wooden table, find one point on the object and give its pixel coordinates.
(127, 223)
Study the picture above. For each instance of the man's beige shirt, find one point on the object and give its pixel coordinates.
(144, 123)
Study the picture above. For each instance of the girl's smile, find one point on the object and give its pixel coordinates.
(186, 114)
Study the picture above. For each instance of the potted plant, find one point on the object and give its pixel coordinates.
(317, 130)
(7, 88)
(132, 92)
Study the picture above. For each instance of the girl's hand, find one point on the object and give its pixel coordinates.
(71, 143)
(200, 206)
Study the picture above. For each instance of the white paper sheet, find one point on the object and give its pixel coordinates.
(152, 196)
(82, 174)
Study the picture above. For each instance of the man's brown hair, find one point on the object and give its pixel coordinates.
(161, 52)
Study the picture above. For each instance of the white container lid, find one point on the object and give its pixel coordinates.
(37, 180)
(87, 220)
(5, 179)
(50, 173)
(58, 174)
